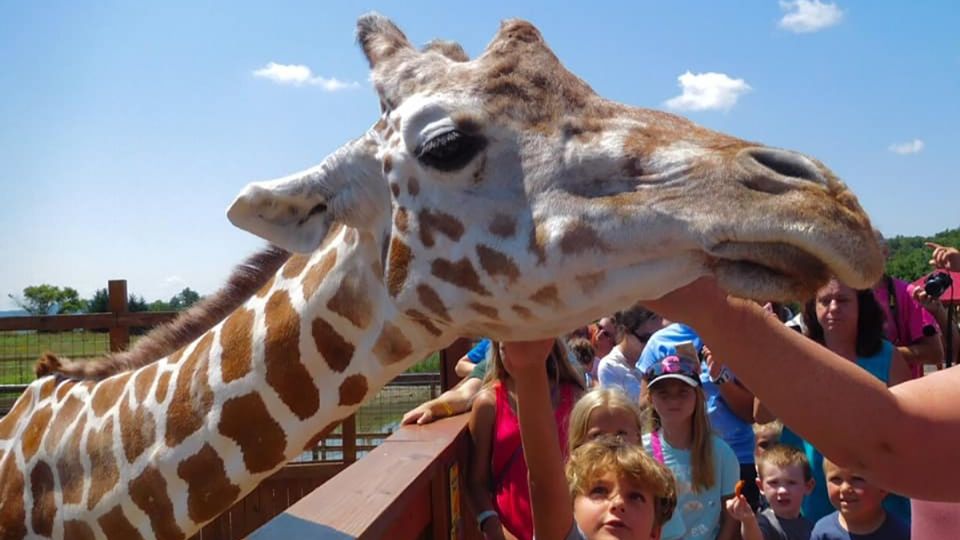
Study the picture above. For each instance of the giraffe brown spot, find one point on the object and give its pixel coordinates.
(580, 238)
(176, 356)
(423, 321)
(162, 385)
(387, 164)
(44, 506)
(317, 273)
(285, 372)
(104, 473)
(66, 414)
(116, 526)
(9, 422)
(350, 237)
(46, 389)
(399, 258)
(336, 351)
(401, 219)
(496, 263)
(143, 381)
(149, 492)
(236, 339)
(380, 125)
(315, 440)
(413, 186)
(262, 293)
(432, 301)
(209, 491)
(442, 222)
(13, 516)
(79, 530)
(523, 312)
(107, 392)
(70, 468)
(460, 273)
(590, 282)
(547, 296)
(295, 265)
(351, 300)
(395, 188)
(262, 442)
(34, 431)
(353, 389)
(192, 396)
(391, 346)
(503, 225)
(538, 236)
(137, 430)
(64, 389)
(486, 311)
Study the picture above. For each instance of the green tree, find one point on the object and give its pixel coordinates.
(49, 299)
(100, 302)
(184, 299)
(159, 305)
(909, 256)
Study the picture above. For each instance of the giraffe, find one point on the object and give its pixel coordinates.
(496, 196)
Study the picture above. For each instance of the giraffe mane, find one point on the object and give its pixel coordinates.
(248, 277)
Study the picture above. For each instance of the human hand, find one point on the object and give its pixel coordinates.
(933, 305)
(739, 509)
(427, 412)
(691, 303)
(946, 258)
(520, 357)
(714, 367)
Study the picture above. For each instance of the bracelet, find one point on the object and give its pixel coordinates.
(447, 409)
(485, 515)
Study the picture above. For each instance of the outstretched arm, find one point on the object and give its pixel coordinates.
(843, 410)
(947, 258)
(549, 497)
(457, 400)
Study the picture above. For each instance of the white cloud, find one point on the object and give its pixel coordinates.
(805, 16)
(911, 147)
(707, 91)
(299, 75)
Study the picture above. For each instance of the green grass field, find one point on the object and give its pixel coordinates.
(19, 351)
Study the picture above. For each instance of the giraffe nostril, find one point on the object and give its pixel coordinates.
(784, 163)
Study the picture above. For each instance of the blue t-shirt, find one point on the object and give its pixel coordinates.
(737, 433)
(828, 528)
(817, 504)
(479, 351)
(697, 515)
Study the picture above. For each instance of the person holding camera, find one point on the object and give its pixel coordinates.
(911, 328)
(929, 297)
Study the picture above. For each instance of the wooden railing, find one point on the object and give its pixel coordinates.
(411, 486)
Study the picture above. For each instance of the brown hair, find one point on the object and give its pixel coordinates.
(626, 460)
(559, 366)
(785, 455)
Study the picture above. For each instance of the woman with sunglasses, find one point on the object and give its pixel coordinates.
(616, 370)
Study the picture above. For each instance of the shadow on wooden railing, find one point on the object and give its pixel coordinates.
(411, 486)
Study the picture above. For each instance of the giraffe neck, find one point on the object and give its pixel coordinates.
(165, 449)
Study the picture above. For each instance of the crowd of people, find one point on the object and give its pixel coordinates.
(702, 416)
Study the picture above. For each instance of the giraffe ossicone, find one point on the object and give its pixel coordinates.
(496, 196)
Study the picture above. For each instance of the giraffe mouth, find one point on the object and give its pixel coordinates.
(767, 270)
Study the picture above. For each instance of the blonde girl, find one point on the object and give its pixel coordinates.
(605, 411)
(498, 469)
(705, 468)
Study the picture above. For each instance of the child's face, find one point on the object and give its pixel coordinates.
(614, 507)
(853, 496)
(764, 440)
(784, 488)
(613, 421)
(674, 400)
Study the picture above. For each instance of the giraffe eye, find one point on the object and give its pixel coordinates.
(450, 151)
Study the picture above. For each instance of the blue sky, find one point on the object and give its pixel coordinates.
(126, 128)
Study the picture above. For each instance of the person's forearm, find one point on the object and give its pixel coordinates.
(729, 527)
(842, 409)
(750, 530)
(738, 399)
(927, 351)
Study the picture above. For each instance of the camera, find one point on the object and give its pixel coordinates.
(936, 284)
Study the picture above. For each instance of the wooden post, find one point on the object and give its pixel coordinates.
(348, 434)
(448, 360)
(117, 300)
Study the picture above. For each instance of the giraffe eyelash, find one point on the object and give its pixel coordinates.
(450, 151)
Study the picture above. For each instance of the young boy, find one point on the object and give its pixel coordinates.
(785, 479)
(765, 436)
(860, 514)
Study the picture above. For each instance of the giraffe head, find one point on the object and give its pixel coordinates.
(506, 198)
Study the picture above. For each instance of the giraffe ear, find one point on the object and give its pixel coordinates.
(289, 212)
(381, 39)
